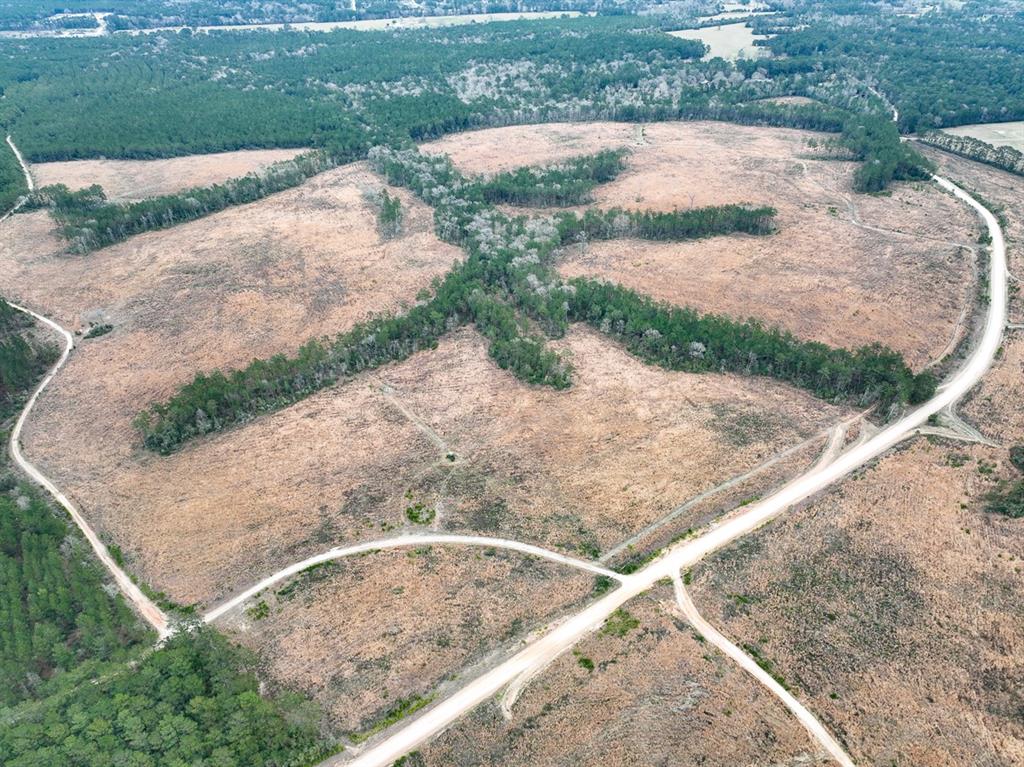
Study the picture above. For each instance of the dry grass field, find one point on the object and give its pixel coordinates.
(845, 269)
(586, 467)
(135, 179)
(656, 697)
(892, 603)
(891, 606)
(361, 634)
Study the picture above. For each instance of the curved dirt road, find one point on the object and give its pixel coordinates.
(559, 639)
(153, 615)
(417, 539)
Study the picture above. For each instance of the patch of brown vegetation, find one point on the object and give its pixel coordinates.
(136, 179)
(656, 696)
(367, 631)
(844, 269)
(890, 606)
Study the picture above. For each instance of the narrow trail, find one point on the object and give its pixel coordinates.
(407, 736)
(814, 728)
(402, 541)
(28, 179)
(739, 479)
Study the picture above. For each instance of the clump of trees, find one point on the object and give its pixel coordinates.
(1008, 500)
(389, 215)
(567, 183)
(193, 701)
(875, 141)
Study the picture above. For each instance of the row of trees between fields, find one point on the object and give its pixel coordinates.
(88, 220)
(508, 288)
(1004, 157)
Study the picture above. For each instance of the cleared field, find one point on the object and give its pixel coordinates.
(998, 134)
(581, 469)
(362, 634)
(655, 696)
(845, 269)
(584, 468)
(727, 41)
(251, 281)
(136, 179)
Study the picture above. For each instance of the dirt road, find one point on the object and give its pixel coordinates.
(152, 614)
(419, 539)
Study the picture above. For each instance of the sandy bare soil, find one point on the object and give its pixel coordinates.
(368, 631)
(656, 696)
(136, 179)
(822, 276)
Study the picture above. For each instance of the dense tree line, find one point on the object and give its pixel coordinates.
(507, 286)
(671, 225)
(194, 701)
(1005, 157)
(89, 221)
(681, 339)
(54, 611)
(211, 402)
(567, 183)
(874, 140)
